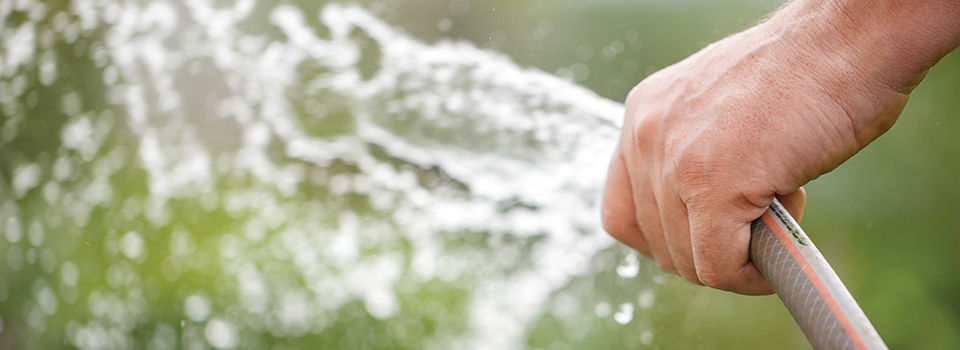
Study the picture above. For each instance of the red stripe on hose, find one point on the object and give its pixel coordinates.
(817, 283)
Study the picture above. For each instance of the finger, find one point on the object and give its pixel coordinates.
(648, 218)
(720, 242)
(794, 202)
(619, 213)
(648, 214)
(676, 233)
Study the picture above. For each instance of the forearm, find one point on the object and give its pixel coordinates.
(890, 42)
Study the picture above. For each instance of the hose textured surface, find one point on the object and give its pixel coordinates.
(809, 288)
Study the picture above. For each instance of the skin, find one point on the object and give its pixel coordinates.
(708, 142)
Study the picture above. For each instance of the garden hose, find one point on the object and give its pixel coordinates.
(816, 298)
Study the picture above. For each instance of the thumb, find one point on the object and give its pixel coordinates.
(720, 240)
(794, 202)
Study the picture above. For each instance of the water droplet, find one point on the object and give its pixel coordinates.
(46, 300)
(25, 178)
(602, 310)
(196, 308)
(69, 273)
(381, 304)
(62, 169)
(630, 266)
(31, 256)
(544, 29)
(645, 300)
(579, 71)
(48, 68)
(624, 313)
(565, 306)
(498, 37)
(444, 25)
(51, 192)
(71, 104)
(13, 230)
(220, 334)
(132, 245)
(646, 337)
(35, 234)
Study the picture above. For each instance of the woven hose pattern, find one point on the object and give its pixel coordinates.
(821, 327)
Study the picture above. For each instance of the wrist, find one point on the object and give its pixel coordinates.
(888, 43)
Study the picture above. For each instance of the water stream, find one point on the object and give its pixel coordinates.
(250, 175)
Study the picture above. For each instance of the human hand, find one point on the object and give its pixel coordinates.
(709, 142)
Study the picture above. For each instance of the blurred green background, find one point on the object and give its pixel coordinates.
(888, 220)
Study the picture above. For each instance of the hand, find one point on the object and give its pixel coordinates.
(707, 143)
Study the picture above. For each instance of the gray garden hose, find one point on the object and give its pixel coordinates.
(808, 287)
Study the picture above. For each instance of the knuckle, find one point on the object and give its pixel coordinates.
(712, 279)
(693, 175)
(644, 119)
(643, 88)
(644, 127)
(635, 94)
